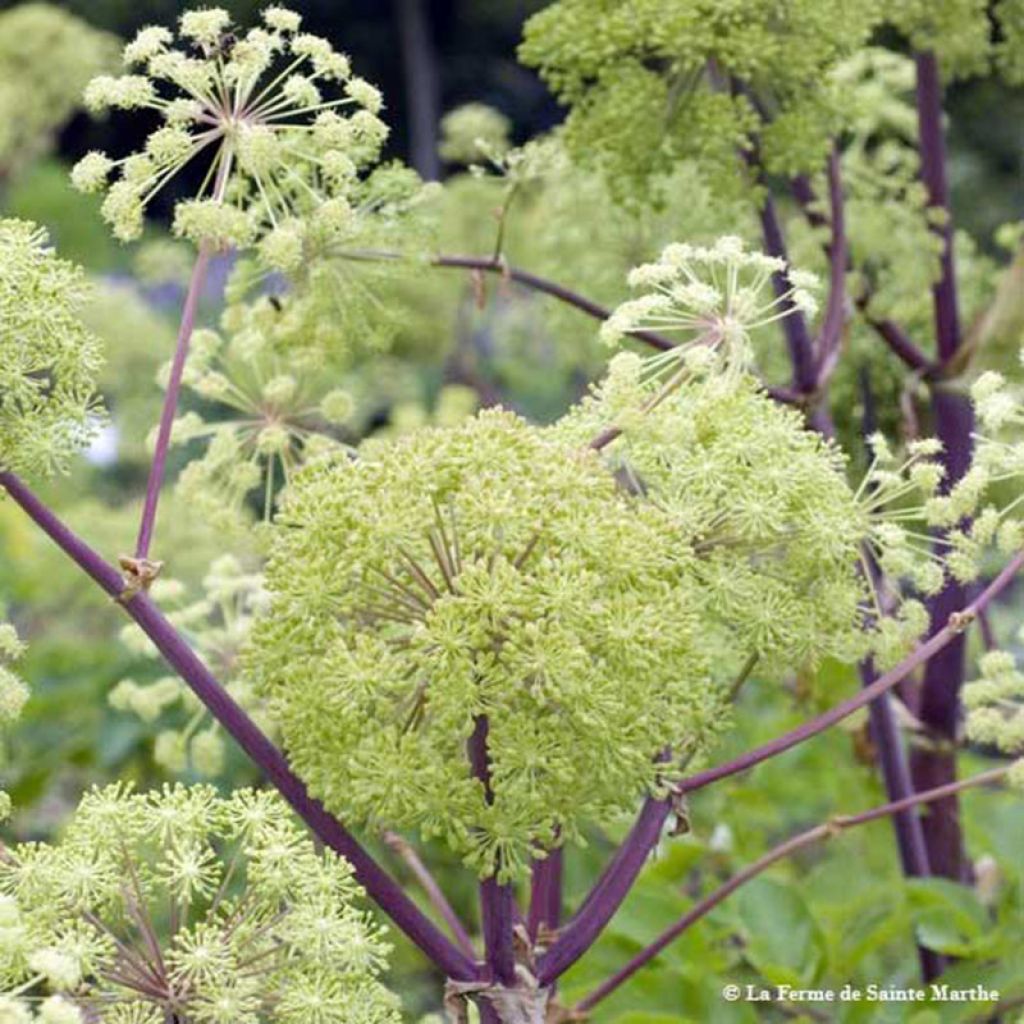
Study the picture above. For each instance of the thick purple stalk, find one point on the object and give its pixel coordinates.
(545, 894)
(828, 830)
(798, 337)
(170, 408)
(910, 841)
(497, 901)
(606, 897)
(831, 336)
(933, 174)
(939, 703)
(379, 885)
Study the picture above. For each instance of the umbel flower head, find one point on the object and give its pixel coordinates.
(48, 359)
(476, 632)
(269, 416)
(275, 115)
(180, 905)
(216, 626)
(713, 298)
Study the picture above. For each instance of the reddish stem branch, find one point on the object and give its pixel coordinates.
(828, 830)
(404, 850)
(378, 883)
(163, 440)
(830, 337)
(950, 633)
(546, 287)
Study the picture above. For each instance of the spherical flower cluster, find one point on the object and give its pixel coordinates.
(48, 359)
(180, 905)
(217, 627)
(268, 417)
(282, 125)
(762, 501)
(476, 632)
(714, 298)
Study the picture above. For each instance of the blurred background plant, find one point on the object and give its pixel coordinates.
(432, 345)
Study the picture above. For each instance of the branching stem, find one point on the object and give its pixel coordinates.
(828, 830)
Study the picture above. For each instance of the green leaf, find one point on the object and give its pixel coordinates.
(947, 917)
(783, 940)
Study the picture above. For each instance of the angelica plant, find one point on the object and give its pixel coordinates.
(180, 904)
(515, 638)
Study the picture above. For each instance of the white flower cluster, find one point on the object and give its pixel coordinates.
(714, 296)
(283, 123)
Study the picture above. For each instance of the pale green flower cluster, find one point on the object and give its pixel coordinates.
(334, 311)
(762, 501)
(13, 694)
(217, 626)
(711, 299)
(647, 81)
(48, 359)
(283, 126)
(46, 58)
(995, 707)
(180, 905)
(267, 415)
(484, 595)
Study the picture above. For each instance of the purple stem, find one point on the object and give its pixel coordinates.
(546, 287)
(604, 899)
(170, 408)
(497, 901)
(892, 334)
(828, 342)
(899, 785)
(933, 174)
(954, 424)
(899, 342)
(379, 885)
(545, 894)
(798, 337)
